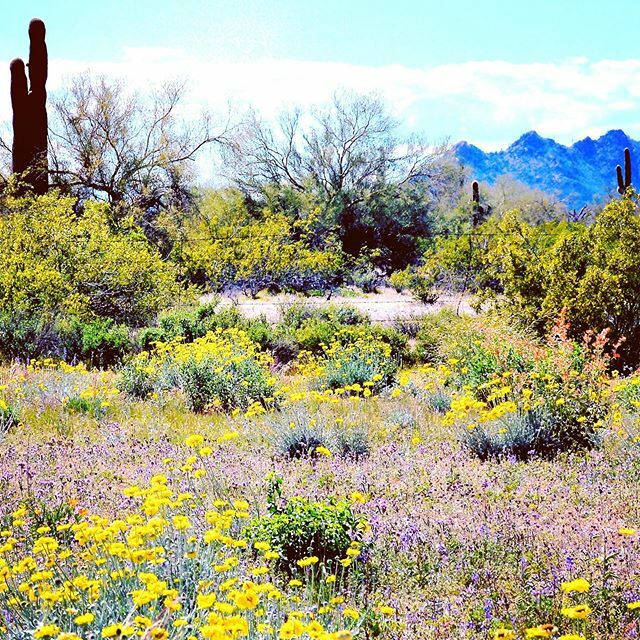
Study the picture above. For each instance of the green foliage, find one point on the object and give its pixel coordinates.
(90, 405)
(593, 273)
(539, 432)
(55, 261)
(229, 246)
(402, 280)
(629, 394)
(101, 342)
(356, 358)
(299, 527)
(298, 434)
(209, 382)
(138, 377)
(191, 323)
(8, 417)
(221, 370)
(554, 400)
(24, 336)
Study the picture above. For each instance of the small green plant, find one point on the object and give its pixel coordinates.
(438, 399)
(209, 383)
(297, 436)
(299, 528)
(8, 417)
(363, 363)
(92, 405)
(138, 377)
(352, 442)
(401, 280)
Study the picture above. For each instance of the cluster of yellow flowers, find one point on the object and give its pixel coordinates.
(171, 568)
(572, 611)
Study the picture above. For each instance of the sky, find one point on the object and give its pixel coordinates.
(485, 71)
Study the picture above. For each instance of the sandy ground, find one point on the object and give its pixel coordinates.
(385, 307)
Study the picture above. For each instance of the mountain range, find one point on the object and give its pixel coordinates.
(578, 175)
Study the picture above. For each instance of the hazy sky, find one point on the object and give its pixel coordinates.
(484, 71)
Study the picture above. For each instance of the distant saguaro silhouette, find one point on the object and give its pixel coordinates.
(480, 212)
(624, 183)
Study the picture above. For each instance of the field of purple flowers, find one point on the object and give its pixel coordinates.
(499, 484)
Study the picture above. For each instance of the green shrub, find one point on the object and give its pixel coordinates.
(352, 442)
(358, 360)
(629, 393)
(223, 369)
(147, 338)
(432, 331)
(402, 280)
(592, 272)
(56, 261)
(208, 382)
(299, 528)
(538, 432)
(314, 333)
(25, 337)
(100, 343)
(403, 419)
(438, 399)
(93, 406)
(298, 436)
(366, 278)
(138, 377)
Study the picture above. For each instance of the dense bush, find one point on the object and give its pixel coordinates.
(299, 528)
(223, 369)
(298, 437)
(560, 401)
(593, 273)
(100, 342)
(139, 377)
(299, 434)
(538, 432)
(354, 361)
(227, 245)
(55, 261)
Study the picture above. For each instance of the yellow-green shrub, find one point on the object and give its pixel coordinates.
(54, 260)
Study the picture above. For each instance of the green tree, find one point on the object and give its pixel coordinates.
(55, 261)
(375, 190)
(590, 272)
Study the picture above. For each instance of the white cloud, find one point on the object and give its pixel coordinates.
(486, 103)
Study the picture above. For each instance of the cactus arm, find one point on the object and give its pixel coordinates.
(621, 187)
(19, 104)
(627, 168)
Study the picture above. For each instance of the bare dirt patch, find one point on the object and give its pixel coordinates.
(385, 307)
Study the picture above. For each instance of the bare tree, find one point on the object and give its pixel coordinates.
(350, 146)
(126, 149)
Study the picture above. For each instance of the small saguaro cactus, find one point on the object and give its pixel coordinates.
(624, 182)
(29, 104)
(480, 212)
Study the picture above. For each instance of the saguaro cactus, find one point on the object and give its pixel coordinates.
(480, 212)
(624, 182)
(30, 112)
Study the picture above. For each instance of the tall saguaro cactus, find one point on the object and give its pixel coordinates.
(29, 105)
(624, 182)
